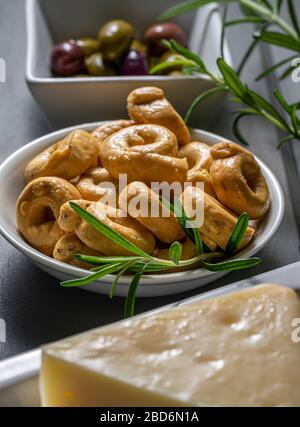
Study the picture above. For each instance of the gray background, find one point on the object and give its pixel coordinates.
(35, 308)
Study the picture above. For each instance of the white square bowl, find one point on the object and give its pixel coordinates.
(67, 101)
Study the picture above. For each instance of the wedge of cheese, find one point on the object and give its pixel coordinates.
(236, 349)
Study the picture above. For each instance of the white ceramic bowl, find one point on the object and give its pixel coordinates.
(12, 183)
(67, 101)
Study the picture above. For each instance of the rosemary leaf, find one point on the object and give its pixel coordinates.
(231, 265)
(184, 7)
(284, 140)
(175, 252)
(248, 20)
(282, 101)
(186, 53)
(233, 81)
(198, 241)
(274, 67)
(131, 296)
(237, 234)
(126, 266)
(204, 95)
(278, 39)
(162, 66)
(236, 129)
(224, 17)
(105, 259)
(111, 268)
(287, 72)
(293, 15)
(153, 267)
(186, 223)
(263, 105)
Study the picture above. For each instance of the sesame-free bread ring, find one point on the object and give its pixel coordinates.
(38, 209)
(238, 180)
(146, 153)
(218, 221)
(67, 158)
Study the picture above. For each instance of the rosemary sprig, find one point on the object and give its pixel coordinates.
(262, 14)
(141, 263)
(252, 9)
(253, 104)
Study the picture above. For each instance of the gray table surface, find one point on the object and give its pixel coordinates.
(35, 308)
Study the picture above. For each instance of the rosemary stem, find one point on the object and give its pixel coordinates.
(274, 121)
(190, 261)
(272, 17)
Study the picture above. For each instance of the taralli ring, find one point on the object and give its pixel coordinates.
(97, 183)
(104, 131)
(239, 183)
(218, 221)
(128, 227)
(69, 246)
(149, 105)
(38, 208)
(199, 159)
(66, 159)
(145, 153)
(150, 212)
(226, 149)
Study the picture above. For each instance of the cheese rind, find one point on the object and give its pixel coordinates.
(236, 349)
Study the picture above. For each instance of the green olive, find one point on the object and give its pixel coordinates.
(153, 60)
(114, 39)
(96, 66)
(176, 73)
(88, 45)
(139, 46)
(170, 57)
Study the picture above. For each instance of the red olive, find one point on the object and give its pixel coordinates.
(67, 59)
(158, 32)
(134, 64)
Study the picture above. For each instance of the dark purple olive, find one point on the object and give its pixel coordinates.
(158, 32)
(67, 59)
(134, 64)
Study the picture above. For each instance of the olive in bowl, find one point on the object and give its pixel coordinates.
(88, 45)
(67, 59)
(115, 38)
(134, 64)
(116, 51)
(165, 31)
(97, 66)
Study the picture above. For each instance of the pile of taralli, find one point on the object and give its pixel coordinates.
(153, 146)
